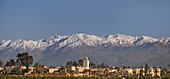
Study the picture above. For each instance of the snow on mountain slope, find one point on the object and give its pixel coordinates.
(4, 43)
(145, 39)
(17, 44)
(39, 44)
(56, 38)
(165, 40)
(77, 40)
(90, 40)
(123, 40)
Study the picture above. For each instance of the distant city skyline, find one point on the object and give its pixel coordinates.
(33, 20)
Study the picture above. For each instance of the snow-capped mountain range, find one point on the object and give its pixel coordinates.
(118, 49)
(77, 40)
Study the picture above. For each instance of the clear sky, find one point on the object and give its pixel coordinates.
(37, 19)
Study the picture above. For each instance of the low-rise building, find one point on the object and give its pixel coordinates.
(52, 70)
(71, 69)
(1, 68)
(129, 70)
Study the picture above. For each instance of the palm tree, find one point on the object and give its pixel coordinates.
(156, 71)
(146, 69)
(80, 62)
(1, 63)
(69, 63)
(141, 73)
(75, 63)
(149, 72)
(92, 65)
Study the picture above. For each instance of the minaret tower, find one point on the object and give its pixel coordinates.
(86, 63)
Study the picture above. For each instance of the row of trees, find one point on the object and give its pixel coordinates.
(80, 63)
(22, 60)
(146, 70)
(25, 60)
(163, 71)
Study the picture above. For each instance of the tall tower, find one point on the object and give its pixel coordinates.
(86, 63)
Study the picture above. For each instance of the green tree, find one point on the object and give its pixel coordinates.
(52, 67)
(150, 73)
(146, 69)
(38, 67)
(75, 63)
(1, 63)
(141, 73)
(10, 63)
(69, 63)
(124, 67)
(164, 72)
(156, 71)
(92, 65)
(102, 65)
(80, 62)
(24, 60)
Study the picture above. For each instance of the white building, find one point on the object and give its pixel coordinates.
(86, 63)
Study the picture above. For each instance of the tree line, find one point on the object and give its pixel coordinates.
(23, 59)
(91, 64)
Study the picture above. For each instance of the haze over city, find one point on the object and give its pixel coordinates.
(33, 20)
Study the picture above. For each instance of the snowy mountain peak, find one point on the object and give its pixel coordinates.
(57, 37)
(149, 39)
(121, 35)
(80, 34)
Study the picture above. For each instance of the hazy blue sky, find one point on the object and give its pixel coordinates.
(36, 19)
